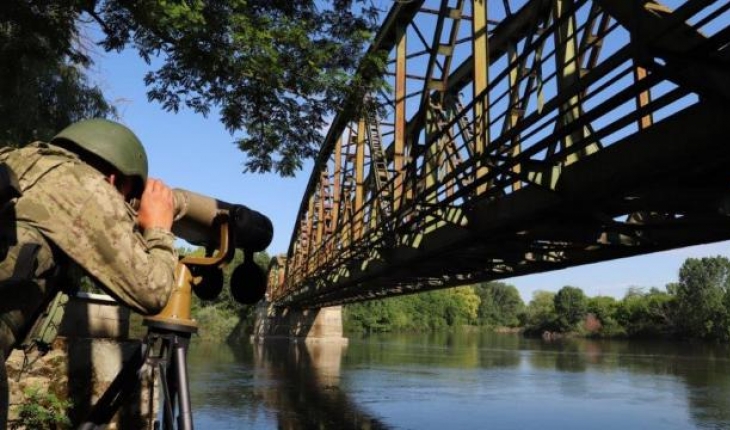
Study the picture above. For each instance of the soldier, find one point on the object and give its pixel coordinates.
(70, 207)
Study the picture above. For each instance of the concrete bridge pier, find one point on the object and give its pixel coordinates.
(299, 325)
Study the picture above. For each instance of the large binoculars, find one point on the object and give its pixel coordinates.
(222, 227)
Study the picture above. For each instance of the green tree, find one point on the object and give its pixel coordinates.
(646, 314)
(604, 308)
(702, 297)
(540, 312)
(43, 87)
(501, 304)
(274, 70)
(463, 306)
(431, 310)
(571, 305)
(374, 316)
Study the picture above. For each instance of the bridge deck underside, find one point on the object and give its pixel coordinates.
(583, 222)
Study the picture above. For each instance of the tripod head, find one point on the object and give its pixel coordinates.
(220, 227)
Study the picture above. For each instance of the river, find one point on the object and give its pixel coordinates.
(461, 381)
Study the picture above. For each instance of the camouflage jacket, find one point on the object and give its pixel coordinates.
(74, 208)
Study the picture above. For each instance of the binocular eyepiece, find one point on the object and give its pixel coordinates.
(198, 220)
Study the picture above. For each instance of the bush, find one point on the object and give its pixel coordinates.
(42, 410)
(214, 323)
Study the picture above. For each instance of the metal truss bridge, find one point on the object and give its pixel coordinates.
(518, 136)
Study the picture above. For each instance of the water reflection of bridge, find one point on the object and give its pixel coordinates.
(276, 385)
(518, 137)
(309, 393)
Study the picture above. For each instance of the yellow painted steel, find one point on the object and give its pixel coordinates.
(480, 43)
(566, 59)
(514, 114)
(359, 221)
(399, 142)
(643, 99)
(336, 190)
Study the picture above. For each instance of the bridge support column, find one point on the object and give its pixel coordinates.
(299, 325)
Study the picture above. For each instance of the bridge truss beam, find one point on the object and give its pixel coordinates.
(519, 137)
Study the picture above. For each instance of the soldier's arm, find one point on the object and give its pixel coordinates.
(92, 225)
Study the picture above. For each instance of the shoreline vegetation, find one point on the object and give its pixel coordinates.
(697, 306)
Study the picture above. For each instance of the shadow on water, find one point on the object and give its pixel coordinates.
(309, 394)
(274, 385)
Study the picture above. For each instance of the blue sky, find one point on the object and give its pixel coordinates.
(189, 151)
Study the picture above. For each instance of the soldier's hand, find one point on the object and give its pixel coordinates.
(156, 206)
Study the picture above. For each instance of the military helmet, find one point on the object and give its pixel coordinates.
(113, 143)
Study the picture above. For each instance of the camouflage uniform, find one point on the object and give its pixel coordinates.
(71, 211)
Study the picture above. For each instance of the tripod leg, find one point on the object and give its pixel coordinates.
(167, 385)
(175, 385)
(185, 419)
(168, 411)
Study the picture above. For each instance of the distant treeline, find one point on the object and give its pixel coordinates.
(697, 306)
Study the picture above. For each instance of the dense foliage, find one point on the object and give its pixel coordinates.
(274, 70)
(694, 307)
(500, 305)
(42, 410)
(418, 312)
(570, 306)
(703, 295)
(42, 83)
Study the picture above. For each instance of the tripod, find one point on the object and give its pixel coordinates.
(172, 364)
(163, 350)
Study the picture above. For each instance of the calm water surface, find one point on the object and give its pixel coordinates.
(461, 381)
